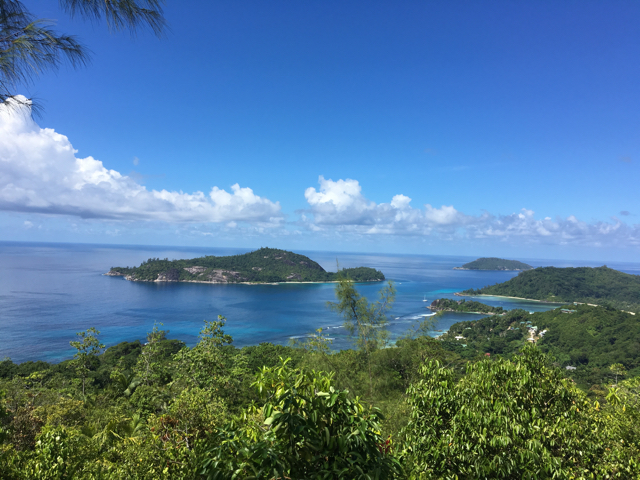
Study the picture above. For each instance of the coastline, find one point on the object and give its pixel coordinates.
(507, 296)
(474, 313)
(493, 269)
(109, 274)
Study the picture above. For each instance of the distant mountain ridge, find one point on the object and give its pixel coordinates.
(266, 265)
(582, 284)
(494, 263)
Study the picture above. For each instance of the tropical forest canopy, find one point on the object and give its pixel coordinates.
(261, 266)
(493, 263)
(582, 284)
(585, 337)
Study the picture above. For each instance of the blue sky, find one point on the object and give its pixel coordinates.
(512, 127)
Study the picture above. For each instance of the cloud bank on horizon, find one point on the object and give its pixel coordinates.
(40, 174)
(341, 204)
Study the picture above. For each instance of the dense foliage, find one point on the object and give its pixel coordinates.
(161, 410)
(493, 263)
(509, 419)
(582, 284)
(581, 336)
(464, 306)
(265, 265)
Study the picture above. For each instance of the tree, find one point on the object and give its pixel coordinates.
(305, 429)
(149, 368)
(206, 365)
(29, 46)
(618, 370)
(317, 342)
(505, 419)
(366, 322)
(88, 347)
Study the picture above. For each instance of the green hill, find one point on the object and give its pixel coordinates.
(266, 265)
(587, 338)
(583, 284)
(493, 263)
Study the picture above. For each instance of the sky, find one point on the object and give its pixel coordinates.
(481, 128)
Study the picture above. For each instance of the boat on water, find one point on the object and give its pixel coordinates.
(425, 298)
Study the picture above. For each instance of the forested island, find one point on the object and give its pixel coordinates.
(266, 265)
(493, 263)
(601, 285)
(464, 306)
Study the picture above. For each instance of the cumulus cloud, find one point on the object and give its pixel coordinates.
(39, 172)
(340, 205)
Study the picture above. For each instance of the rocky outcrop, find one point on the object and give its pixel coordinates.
(223, 276)
(172, 275)
(114, 273)
(195, 270)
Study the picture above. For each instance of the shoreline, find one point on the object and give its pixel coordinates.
(474, 313)
(109, 274)
(458, 294)
(493, 269)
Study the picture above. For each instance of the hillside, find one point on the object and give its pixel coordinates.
(587, 338)
(583, 284)
(266, 265)
(493, 263)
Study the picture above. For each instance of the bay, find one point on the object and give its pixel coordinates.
(48, 292)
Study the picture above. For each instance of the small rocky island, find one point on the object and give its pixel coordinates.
(266, 265)
(493, 263)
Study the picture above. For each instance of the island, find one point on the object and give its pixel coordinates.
(599, 286)
(493, 263)
(464, 306)
(266, 265)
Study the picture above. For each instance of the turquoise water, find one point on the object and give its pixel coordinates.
(50, 291)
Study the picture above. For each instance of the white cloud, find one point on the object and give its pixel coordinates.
(342, 203)
(339, 206)
(39, 172)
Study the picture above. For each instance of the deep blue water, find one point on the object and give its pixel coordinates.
(48, 292)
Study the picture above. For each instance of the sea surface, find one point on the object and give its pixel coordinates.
(48, 292)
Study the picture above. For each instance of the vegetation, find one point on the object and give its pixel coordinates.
(510, 419)
(600, 285)
(418, 410)
(585, 337)
(493, 263)
(266, 265)
(464, 306)
(28, 46)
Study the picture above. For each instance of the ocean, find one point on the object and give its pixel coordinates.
(48, 292)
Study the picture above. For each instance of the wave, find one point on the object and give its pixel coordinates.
(416, 317)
